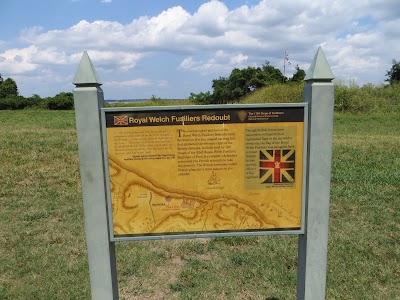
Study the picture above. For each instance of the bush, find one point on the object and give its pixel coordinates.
(201, 98)
(62, 101)
(14, 102)
(348, 98)
(367, 99)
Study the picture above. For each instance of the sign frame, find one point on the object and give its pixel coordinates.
(205, 234)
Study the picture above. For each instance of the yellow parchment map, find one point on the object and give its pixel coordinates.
(205, 178)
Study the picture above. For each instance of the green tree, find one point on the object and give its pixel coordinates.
(299, 75)
(8, 88)
(394, 73)
(14, 102)
(239, 83)
(36, 101)
(272, 74)
(259, 79)
(201, 98)
(61, 101)
(243, 81)
(221, 91)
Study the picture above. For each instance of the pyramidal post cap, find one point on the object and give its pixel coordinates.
(86, 73)
(319, 68)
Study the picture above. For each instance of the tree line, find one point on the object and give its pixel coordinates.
(240, 83)
(10, 98)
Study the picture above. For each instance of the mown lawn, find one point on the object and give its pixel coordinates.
(42, 239)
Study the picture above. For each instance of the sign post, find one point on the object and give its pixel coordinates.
(313, 244)
(88, 97)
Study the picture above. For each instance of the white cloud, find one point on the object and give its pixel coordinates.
(43, 83)
(115, 60)
(220, 62)
(269, 27)
(130, 83)
(18, 61)
(187, 63)
(138, 82)
(209, 20)
(238, 59)
(162, 83)
(215, 39)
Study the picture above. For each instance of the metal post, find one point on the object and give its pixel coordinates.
(313, 244)
(88, 97)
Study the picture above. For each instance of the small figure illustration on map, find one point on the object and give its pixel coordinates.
(214, 179)
(187, 203)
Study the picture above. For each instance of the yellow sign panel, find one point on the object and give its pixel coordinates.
(204, 171)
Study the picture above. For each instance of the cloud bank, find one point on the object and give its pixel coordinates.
(358, 42)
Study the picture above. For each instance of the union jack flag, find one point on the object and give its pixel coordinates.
(120, 120)
(277, 166)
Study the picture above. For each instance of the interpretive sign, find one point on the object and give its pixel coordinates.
(204, 171)
(182, 171)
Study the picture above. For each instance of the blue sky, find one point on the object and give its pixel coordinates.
(171, 48)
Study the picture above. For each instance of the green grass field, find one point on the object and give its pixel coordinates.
(42, 239)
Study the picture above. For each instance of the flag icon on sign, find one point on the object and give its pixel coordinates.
(120, 120)
(277, 166)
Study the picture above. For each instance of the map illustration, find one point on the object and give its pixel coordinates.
(141, 206)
